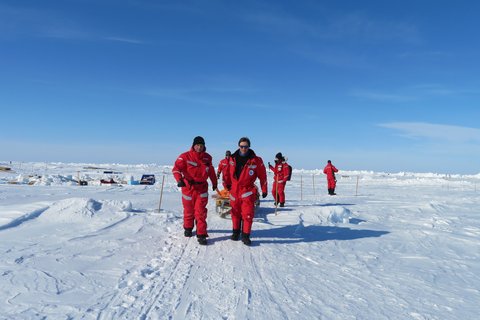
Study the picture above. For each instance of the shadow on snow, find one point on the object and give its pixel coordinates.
(299, 233)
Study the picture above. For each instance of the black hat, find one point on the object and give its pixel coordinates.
(279, 156)
(228, 153)
(198, 140)
(329, 161)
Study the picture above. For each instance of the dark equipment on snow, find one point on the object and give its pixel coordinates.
(148, 179)
(109, 181)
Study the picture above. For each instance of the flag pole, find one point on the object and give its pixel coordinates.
(161, 194)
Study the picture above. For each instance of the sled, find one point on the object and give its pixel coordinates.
(222, 202)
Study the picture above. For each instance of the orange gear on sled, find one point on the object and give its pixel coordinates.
(222, 201)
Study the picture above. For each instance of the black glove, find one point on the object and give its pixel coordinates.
(181, 183)
(214, 188)
(264, 195)
(269, 164)
(229, 187)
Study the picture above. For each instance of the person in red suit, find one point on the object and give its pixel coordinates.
(191, 171)
(223, 168)
(244, 169)
(330, 170)
(281, 173)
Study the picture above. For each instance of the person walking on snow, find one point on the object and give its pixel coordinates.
(281, 173)
(223, 167)
(330, 170)
(191, 171)
(245, 167)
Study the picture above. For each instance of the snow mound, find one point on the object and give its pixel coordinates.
(74, 209)
(325, 215)
(339, 215)
(55, 179)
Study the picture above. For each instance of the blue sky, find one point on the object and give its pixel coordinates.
(372, 85)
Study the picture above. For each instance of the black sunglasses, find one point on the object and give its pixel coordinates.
(244, 147)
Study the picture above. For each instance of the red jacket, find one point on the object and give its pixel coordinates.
(330, 170)
(194, 168)
(281, 171)
(222, 167)
(245, 182)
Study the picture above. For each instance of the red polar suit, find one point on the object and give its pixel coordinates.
(243, 192)
(330, 170)
(222, 170)
(281, 173)
(194, 168)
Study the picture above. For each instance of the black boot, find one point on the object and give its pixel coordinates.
(333, 192)
(282, 204)
(188, 232)
(202, 240)
(246, 239)
(235, 235)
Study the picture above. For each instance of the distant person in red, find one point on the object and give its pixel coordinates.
(281, 172)
(330, 170)
(245, 167)
(191, 171)
(223, 167)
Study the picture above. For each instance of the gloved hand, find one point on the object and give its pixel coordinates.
(181, 184)
(218, 176)
(214, 187)
(269, 164)
(229, 187)
(264, 195)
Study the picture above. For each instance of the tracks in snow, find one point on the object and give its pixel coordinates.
(174, 283)
(153, 287)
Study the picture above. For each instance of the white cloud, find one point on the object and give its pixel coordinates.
(351, 25)
(416, 130)
(213, 96)
(384, 97)
(412, 93)
(425, 54)
(126, 40)
(19, 21)
(366, 27)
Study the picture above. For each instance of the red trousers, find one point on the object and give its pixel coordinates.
(280, 196)
(331, 183)
(195, 210)
(243, 208)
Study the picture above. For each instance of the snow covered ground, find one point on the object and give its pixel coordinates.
(393, 246)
